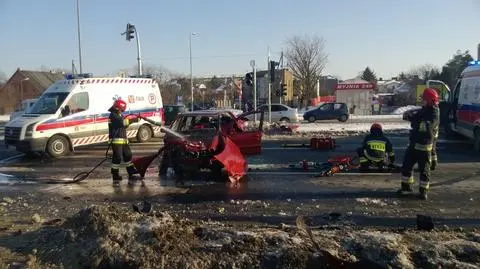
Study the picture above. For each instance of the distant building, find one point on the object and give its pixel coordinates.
(327, 85)
(358, 93)
(23, 85)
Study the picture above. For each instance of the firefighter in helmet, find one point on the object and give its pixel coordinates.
(376, 147)
(117, 129)
(425, 124)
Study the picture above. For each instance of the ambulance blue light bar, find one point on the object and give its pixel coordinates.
(474, 63)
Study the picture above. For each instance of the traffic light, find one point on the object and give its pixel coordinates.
(284, 89)
(249, 79)
(273, 65)
(130, 31)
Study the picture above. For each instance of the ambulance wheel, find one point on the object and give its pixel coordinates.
(144, 134)
(58, 146)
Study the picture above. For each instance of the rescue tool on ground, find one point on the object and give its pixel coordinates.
(424, 124)
(316, 143)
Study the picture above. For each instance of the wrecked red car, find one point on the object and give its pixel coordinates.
(215, 140)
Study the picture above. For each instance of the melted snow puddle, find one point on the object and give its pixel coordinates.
(6, 179)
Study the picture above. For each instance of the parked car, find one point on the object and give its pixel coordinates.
(328, 111)
(280, 113)
(26, 104)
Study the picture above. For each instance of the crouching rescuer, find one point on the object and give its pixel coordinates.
(117, 128)
(376, 147)
(425, 124)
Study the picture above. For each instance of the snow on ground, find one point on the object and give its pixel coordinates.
(4, 118)
(350, 127)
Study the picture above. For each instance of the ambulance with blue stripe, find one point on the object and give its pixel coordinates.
(464, 113)
(74, 112)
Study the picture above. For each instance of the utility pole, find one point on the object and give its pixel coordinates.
(139, 59)
(252, 64)
(79, 40)
(191, 72)
(269, 90)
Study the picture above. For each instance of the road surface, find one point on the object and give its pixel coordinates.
(272, 194)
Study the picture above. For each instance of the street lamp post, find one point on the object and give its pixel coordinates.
(79, 41)
(21, 90)
(191, 72)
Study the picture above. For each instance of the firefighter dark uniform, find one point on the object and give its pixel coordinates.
(425, 125)
(376, 147)
(117, 128)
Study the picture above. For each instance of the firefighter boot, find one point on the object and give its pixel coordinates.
(116, 178)
(423, 194)
(404, 188)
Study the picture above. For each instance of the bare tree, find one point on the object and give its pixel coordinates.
(158, 72)
(423, 72)
(306, 58)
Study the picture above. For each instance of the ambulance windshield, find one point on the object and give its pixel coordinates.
(48, 103)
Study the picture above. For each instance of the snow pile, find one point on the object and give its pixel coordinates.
(401, 110)
(352, 128)
(4, 118)
(113, 237)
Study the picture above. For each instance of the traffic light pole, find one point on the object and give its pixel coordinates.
(139, 59)
(255, 91)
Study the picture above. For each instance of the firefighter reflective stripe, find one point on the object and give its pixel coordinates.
(424, 184)
(126, 122)
(391, 154)
(115, 166)
(129, 164)
(376, 145)
(434, 158)
(363, 160)
(408, 180)
(119, 141)
(423, 126)
(373, 158)
(427, 147)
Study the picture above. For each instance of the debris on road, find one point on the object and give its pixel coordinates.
(108, 236)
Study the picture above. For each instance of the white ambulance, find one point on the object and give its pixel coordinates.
(74, 112)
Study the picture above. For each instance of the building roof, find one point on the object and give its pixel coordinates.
(39, 79)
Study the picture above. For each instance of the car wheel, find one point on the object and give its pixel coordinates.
(285, 119)
(311, 119)
(58, 146)
(343, 118)
(144, 134)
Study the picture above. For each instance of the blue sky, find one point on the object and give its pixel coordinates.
(387, 35)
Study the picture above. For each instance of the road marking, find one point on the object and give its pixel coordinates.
(12, 158)
(287, 173)
(307, 148)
